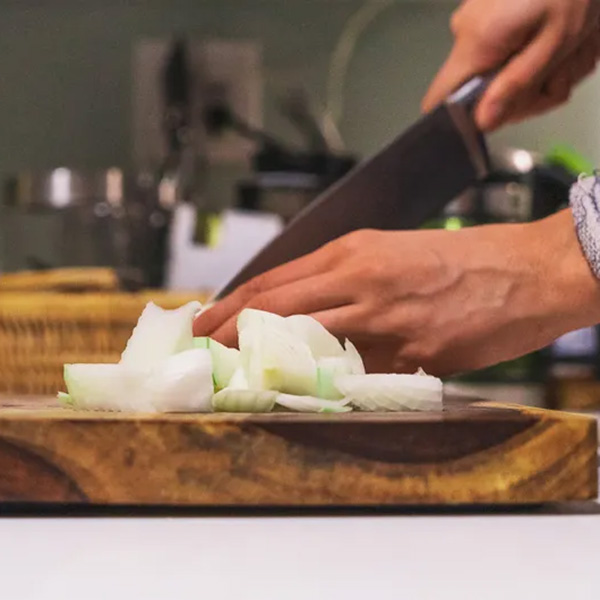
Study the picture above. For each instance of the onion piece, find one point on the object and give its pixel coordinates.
(159, 334)
(251, 317)
(321, 343)
(311, 404)
(355, 361)
(111, 387)
(238, 380)
(65, 399)
(392, 392)
(225, 360)
(331, 367)
(182, 383)
(247, 401)
(328, 369)
(272, 358)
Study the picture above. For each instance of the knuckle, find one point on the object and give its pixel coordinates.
(380, 323)
(423, 352)
(253, 288)
(356, 240)
(514, 84)
(263, 301)
(457, 20)
(559, 90)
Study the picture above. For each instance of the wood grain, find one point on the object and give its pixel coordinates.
(467, 454)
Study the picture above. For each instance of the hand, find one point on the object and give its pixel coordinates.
(447, 301)
(547, 47)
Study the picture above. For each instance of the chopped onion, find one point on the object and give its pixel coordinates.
(328, 369)
(312, 404)
(392, 392)
(238, 380)
(251, 317)
(285, 361)
(182, 383)
(249, 401)
(225, 360)
(159, 334)
(355, 361)
(321, 343)
(106, 387)
(272, 358)
(64, 399)
(331, 367)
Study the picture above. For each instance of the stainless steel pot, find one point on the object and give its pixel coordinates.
(67, 217)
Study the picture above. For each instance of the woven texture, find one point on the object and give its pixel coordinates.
(585, 205)
(40, 331)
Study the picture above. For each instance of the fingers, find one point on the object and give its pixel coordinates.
(525, 69)
(320, 293)
(557, 89)
(347, 320)
(585, 59)
(297, 270)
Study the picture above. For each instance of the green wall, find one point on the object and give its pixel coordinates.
(65, 71)
(65, 67)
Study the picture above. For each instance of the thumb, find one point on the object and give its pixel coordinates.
(525, 70)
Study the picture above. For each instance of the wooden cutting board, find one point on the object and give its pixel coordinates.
(475, 453)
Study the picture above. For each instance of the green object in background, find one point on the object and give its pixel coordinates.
(209, 227)
(568, 158)
(451, 223)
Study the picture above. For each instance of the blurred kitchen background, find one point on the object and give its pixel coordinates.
(156, 145)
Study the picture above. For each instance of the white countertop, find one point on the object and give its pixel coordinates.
(412, 557)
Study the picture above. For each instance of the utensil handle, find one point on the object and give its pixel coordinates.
(469, 93)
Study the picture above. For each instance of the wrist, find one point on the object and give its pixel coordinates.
(569, 291)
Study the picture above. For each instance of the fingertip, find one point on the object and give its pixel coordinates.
(227, 334)
(426, 104)
(206, 321)
(198, 325)
(489, 115)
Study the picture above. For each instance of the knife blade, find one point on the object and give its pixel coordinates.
(401, 187)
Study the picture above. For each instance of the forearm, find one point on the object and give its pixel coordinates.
(541, 275)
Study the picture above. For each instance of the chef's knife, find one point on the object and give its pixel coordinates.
(401, 187)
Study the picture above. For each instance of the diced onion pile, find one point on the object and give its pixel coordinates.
(290, 363)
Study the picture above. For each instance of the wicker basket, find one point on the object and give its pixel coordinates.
(40, 331)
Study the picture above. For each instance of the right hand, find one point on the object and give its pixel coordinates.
(546, 47)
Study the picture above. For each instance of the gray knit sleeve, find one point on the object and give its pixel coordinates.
(584, 199)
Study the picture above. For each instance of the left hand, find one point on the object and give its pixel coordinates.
(447, 301)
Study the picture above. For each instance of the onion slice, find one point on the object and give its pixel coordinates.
(159, 334)
(182, 383)
(321, 343)
(246, 401)
(311, 404)
(392, 392)
(225, 360)
(109, 387)
(272, 358)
